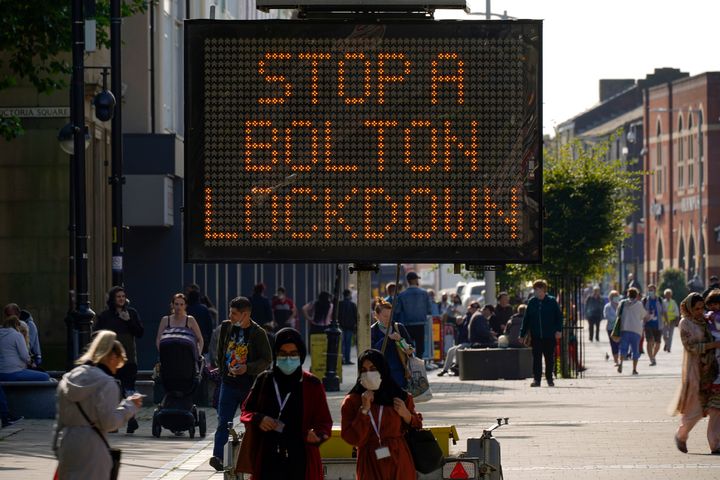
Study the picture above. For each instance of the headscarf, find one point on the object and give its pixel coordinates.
(284, 336)
(290, 335)
(389, 389)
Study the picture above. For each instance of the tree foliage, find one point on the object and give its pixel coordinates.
(674, 279)
(587, 199)
(35, 39)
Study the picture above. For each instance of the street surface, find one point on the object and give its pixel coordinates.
(604, 426)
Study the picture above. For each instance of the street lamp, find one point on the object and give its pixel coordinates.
(80, 315)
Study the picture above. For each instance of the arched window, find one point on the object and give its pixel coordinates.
(681, 154)
(690, 155)
(660, 263)
(658, 162)
(681, 254)
(691, 259)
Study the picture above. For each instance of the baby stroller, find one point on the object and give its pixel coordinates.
(180, 370)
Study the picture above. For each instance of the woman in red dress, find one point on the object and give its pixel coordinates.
(287, 416)
(375, 415)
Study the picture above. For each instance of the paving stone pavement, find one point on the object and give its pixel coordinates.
(602, 426)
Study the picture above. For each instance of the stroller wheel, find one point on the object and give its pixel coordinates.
(192, 432)
(202, 424)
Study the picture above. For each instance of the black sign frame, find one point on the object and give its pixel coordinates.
(197, 251)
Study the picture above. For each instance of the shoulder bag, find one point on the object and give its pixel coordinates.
(115, 453)
(426, 453)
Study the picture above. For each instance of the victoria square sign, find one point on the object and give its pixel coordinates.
(311, 141)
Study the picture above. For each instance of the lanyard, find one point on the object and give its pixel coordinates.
(372, 421)
(283, 402)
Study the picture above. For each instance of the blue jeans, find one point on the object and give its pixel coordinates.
(231, 397)
(630, 340)
(24, 376)
(347, 337)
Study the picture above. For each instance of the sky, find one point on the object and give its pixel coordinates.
(586, 40)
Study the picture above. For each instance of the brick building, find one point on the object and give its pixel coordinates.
(683, 208)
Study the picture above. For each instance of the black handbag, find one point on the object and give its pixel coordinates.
(115, 453)
(424, 448)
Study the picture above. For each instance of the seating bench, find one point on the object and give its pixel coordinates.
(494, 363)
(31, 399)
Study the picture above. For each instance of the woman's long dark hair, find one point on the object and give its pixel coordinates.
(322, 307)
(389, 389)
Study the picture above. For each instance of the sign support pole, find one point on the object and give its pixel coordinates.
(364, 300)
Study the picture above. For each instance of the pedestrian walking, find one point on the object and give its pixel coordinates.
(610, 315)
(243, 353)
(632, 283)
(88, 408)
(125, 321)
(412, 309)
(261, 308)
(375, 415)
(319, 313)
(594, 313)
(288, 416)
(398, 345)
(672, 317)
(699, 396)
(200, 312)
(283, 309)
(631, 318)
(180, 322)
(658, 317)
(543, 320)
(348, 320)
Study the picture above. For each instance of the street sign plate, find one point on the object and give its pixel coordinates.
(320, 141)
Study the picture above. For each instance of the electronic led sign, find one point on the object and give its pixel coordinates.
(316, 141)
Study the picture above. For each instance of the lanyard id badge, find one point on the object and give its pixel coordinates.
(380, 452)
(280, 425)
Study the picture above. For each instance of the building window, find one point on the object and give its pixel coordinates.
(681, 254)
(691, 259)
(690, 155)
(680, 155)
(658, 163)
(660, 264)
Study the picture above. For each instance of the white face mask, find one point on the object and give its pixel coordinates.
(370, 380)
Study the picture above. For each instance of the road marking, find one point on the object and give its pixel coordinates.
(654, 466)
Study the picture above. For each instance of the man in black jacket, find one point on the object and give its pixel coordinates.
(479, 328)
(348, 319)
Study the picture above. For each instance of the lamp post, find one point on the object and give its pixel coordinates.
(81, 316)
(331, 382)
(116, 180)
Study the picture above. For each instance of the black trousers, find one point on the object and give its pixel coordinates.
(594, 326)
(417, 332)
(543, 347)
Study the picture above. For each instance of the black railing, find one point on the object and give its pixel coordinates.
(570, 361)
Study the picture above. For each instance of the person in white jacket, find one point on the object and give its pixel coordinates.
(89, 390)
